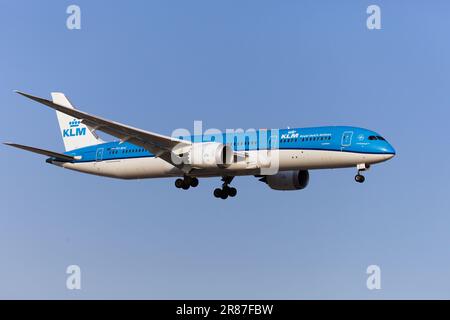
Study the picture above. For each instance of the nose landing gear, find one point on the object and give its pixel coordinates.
(186, 182)
(359, 177)
(226, 191)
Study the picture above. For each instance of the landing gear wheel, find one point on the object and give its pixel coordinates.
(226, 190)
(218, 193)
(179, 183)
(186, 182)
(359, 178)
(194, 182)
(232, 192)
(185, 185)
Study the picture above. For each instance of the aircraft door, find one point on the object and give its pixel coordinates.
(346, 139)
(99, 154)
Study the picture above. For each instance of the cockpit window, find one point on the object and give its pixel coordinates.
(376, 138)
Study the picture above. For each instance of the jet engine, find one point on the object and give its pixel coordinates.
(208, 155)
(288, 180)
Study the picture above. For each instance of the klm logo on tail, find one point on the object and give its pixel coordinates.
(74, 130)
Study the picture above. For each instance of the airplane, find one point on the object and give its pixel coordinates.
(140, 154)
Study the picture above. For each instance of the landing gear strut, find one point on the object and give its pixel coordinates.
(226, 191)
(186, 182)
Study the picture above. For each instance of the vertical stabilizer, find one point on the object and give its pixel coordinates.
(74, 133)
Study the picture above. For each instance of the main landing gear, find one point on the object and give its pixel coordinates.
(359, 177)
(226, 191)
(186, 182)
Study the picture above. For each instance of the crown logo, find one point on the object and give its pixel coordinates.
(74, 123)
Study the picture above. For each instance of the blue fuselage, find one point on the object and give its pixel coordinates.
(329, 138)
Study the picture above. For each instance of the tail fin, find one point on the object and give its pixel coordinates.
(74, 133)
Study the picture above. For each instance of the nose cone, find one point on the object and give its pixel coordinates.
(388, 150)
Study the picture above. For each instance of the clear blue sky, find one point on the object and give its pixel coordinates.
(160, 65)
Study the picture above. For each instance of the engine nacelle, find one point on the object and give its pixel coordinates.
(209, 155)
(288, 180)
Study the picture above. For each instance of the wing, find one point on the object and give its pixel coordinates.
(160, 145)
(58, 156)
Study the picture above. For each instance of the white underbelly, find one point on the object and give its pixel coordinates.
(136, 168)
(324, 159)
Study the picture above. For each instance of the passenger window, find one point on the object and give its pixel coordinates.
(372, 138)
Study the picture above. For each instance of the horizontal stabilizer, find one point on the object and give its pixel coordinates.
(58, 156)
